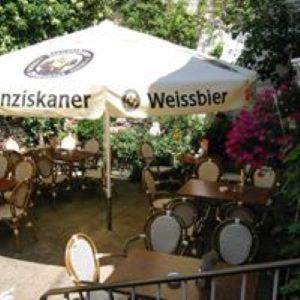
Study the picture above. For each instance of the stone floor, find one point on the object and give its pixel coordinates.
(74, 212)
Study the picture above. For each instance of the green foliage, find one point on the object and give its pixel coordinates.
(36, 127)
(88, 129)
(271, 40)
(125, 145)
(289, 219)
(26, 22)
(217, 51)
(165, 19)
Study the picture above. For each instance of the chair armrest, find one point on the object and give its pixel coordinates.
(133, 239)
(159, 192)
(86, 282)
(184, 246)
(209, 260)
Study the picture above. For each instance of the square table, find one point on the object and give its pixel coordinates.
(210, 191)
(146, 265)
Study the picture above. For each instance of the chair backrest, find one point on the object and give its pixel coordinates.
(186, 210)
(164, 232)
(11, 145)
(24, 170)
(92, 146)
(241, 212)
(80, 259)
(264, 177)
(234, 241)
(147, 153)
(4, 166)
(13, 157)
(45, 166)
(69, 142)
(149, 181)
(20, 197)
(209, 169)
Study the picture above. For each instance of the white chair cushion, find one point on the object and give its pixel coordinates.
(5, 212)
(160, 203)
(103, 295)
(83, 260)
(165, 234)
(235, 242)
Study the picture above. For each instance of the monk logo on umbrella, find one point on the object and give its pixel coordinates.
(131, 100)
(58, 63)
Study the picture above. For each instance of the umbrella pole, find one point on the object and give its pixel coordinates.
(107, 148)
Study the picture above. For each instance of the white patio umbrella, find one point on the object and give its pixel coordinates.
(124, 73)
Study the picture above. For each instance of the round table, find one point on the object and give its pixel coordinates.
(72, 159)
(71, 156)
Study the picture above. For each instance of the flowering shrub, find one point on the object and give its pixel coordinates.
(257, 137)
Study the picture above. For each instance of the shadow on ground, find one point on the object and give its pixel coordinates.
(79, 211)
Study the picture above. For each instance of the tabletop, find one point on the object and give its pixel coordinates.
(7, 184)
(211, 191)
(145, 265)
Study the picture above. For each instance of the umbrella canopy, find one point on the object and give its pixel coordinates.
(130, 74)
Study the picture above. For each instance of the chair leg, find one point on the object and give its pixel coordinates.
(17, 239)
(30, 225)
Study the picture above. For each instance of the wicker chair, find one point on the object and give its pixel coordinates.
(150, 160)
(48, 176)
(92, 146)
(158, 199)
(237, 210)
(13, 158)
(187, 211)
(209, 169)
(16, 211)
(24, 170)
(163, 232)
(82, 262)
(235, 241)
(4, 166)
(264, 177)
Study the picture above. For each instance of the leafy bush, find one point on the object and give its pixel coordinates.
(289, 216)
(28, 22)
(87, 129)
(271, 36)
(165, 19)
